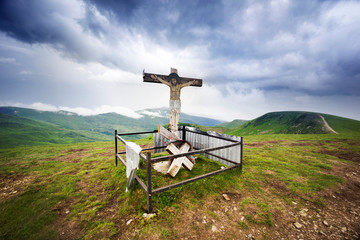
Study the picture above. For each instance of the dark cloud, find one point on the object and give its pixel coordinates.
(90, 22)
(296, 46)
(175, 19)
(183, 14)
(46, 22)
(123, 10)
(30, 21)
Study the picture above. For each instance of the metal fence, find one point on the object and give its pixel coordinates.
(223, 148)
(202, 140)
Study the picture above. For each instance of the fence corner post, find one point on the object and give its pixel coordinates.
(184, 133)
(148, 176)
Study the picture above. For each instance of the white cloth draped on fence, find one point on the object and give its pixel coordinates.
(132, 161)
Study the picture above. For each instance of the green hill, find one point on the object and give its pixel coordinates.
(102, 123)
(20, 126)
(233, 124)
(108, 122)
(17, 131)
(342, 125)
(46, 127)
(297, 123)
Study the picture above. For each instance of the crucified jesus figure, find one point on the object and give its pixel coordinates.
(175, 102)
(176, 84)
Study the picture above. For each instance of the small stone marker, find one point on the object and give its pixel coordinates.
(226, 197)
(303, 212)
(148, 216)
(298, 225)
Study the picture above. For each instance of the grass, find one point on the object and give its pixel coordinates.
(17, 131)
(78, 185)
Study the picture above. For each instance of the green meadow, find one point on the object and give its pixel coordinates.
(75, 191)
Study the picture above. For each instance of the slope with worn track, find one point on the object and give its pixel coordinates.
(297, 123)
(342, 125)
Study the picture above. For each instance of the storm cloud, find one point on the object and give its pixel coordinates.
(294, 49)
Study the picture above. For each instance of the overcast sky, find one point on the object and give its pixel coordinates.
(254, 56)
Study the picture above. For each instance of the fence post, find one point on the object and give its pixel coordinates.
(116, 151)
(241, 153)
(148, 176)
(184, 133)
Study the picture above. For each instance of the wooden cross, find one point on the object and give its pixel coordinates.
(175, 83)
(172, 148)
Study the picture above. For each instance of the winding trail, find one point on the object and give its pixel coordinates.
(327, 126)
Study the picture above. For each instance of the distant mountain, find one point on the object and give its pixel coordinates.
(185, 118)
(83, 128)
(24, 127)
(297, 123)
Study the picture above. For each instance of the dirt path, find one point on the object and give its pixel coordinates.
(327, 126)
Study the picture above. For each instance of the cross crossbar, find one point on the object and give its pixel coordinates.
(181, 80)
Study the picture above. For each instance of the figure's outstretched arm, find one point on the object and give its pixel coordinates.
(161, 80)
(187, 84)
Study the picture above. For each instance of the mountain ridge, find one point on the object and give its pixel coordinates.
(45, 127)
(83, 128)
(297, 122)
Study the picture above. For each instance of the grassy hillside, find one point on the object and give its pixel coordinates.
(104, 123)
(233, 124)
(291, 187)
(70, 128)
(208, 122)
(342, 125)
(296, 123)
(17, 131)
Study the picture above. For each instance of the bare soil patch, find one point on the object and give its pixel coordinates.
(67, 228)
(260, 144)
(14, 184)
(284, 143)
(270, 172)
(343, 154)
(72, 155)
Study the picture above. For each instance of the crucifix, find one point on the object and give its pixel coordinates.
(175, 83)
